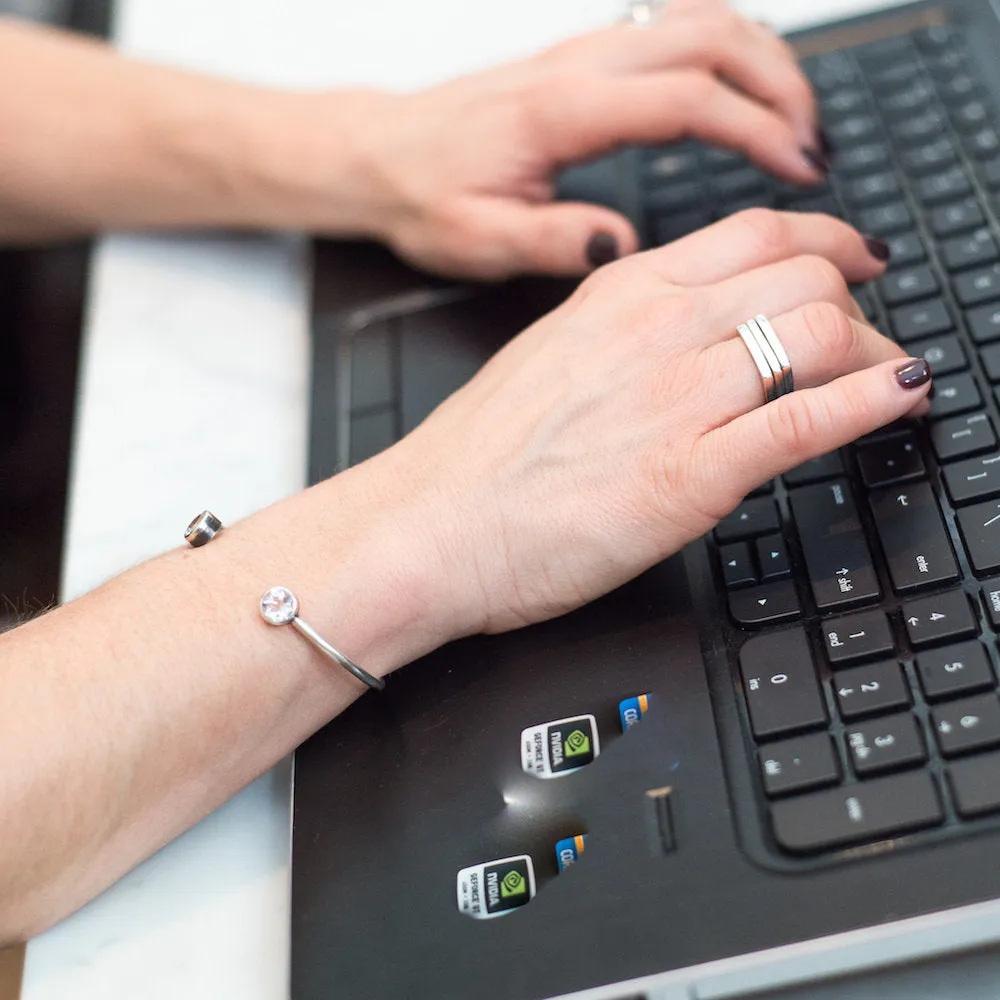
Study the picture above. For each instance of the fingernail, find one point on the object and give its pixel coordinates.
(602, 248)
(823, 143)
(816, 160)
(915, 373)
(879, 249)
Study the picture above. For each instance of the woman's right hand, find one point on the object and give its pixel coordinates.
(627, 422)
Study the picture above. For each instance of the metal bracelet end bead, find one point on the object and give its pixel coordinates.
(279, 606)
(202, 529)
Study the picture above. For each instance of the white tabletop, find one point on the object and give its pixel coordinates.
(162, 438)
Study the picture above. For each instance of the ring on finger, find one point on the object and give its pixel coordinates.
(769, 356)
(642, 13)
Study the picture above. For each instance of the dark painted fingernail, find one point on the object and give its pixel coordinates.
(816, 160)
(879, 249)
(823, 144)
(602, 248)
(913, 374)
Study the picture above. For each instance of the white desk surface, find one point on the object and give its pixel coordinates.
(162, 436)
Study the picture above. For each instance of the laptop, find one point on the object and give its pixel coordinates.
(771, 762)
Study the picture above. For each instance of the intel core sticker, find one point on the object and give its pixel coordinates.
(568, 851)
(557, 748)
(631, 711)
(492, 889)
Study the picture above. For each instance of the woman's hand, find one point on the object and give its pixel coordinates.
(629, 421)
(459, 179)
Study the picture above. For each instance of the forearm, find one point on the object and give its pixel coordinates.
(90, 140)
(132, 712)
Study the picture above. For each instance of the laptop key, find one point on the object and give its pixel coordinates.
(947, 220)
(980, 528)
(954, 394)
(871, 690)
(815, 470)
(884, 220)
(983, 144)
(922, 320)
(737, 565)
(798, 764)
(960, 437)
(944, 354)
(668, 228)
(943, 186)
(973, 250)
(967, 725)
(782, 692)
(989, 173)
(918, 128)
(772, 557)
(872, 189)
(924, 158)
(906, 248)
(765, 604)
(975, 784)
(872, 155)
(938, 619)
(871, 810)
(892, 460)
(973, 479)
(852, 130)
(908, 285)
(984, 323)
(970, 116)
(885, 745)
(845, 101)
(954, 670)
(758, 516)
(990, 592)
(913, 537)
(837, 556)
(855, 638)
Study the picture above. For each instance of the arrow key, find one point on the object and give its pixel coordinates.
(772, 557)
(758, 516)
(765, 604)
(967, 725)
(941, 618)
(737, 566)
(853, 638)
(871, 689)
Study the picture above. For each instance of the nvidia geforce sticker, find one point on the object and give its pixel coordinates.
(557, 748)
(496, 887)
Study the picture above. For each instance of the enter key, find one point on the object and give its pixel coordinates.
(913, 537)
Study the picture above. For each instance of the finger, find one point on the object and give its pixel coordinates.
(775, 289)
(822, 343)
(757, 237)
(725, 43)
(583, 115)
(562, 238)
(774, 438)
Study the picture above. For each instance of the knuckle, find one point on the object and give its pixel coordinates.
(764, 229)
(793, 423)
(831, 331)
(820, 279)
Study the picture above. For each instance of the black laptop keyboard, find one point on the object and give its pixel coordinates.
(863, 589)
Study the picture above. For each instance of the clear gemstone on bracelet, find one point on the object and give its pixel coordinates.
(278, 606)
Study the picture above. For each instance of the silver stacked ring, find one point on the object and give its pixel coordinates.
(769, 356)
(642, 13)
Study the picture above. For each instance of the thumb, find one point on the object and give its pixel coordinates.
(561, 238)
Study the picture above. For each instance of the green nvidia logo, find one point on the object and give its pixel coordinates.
(576, 744)
(513, 884)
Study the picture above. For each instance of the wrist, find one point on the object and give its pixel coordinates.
(360, 553)
(317, 163)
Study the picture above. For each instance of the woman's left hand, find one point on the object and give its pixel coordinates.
(459, 179)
